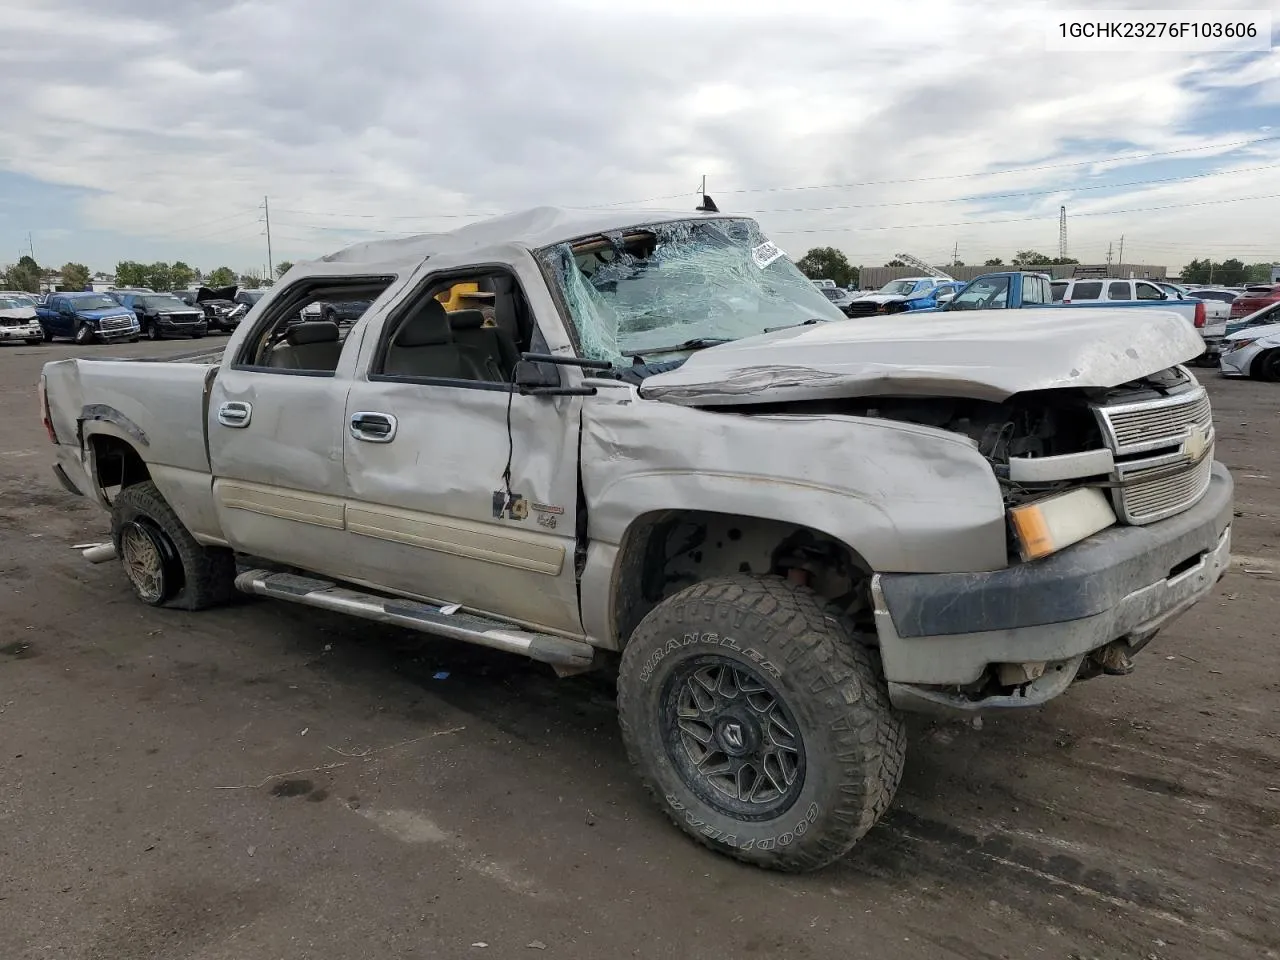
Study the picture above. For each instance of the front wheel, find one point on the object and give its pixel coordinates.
(47, 335)
(161, 559)
(153, 331)
(84, 334)
(758, 722)
(35, 341)
(197, 335)
(1267, 366)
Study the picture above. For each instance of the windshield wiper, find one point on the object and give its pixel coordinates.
(697, 343)
(803, 323)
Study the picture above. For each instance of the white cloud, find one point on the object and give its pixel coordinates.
(179, 115)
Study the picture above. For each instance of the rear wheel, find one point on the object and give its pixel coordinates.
(1267, 366)
(163, 562)
(758, 722)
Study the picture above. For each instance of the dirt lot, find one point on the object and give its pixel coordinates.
(265, 781)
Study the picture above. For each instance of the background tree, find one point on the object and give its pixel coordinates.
(1230, 273)
(895, 262)
(994, 262)
(159, 276)
(828, 263)
(220, 277)
(23, 275)
(180, 275)
(75, 276)
(1031, 258)
(283, 267)
(130, 273)
(957, 263)
(1197, 271)
(1062, 260)
(251, 281)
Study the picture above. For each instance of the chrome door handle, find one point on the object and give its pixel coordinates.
(233, 413)
(373, 427)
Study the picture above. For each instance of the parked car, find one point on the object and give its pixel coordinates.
(244, 301)
(1208, 317)
(1268, 314)
(680, 490)
(30, 299)
(1216, 311)
(899, 296)
(1221, 294)
(163, 315)
(338, 311)
(86, 318)
(1253, 352)
(18, 320)
(1254, 298)
(218, 303)
(839, 296)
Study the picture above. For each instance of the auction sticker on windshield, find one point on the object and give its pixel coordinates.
(765, 254)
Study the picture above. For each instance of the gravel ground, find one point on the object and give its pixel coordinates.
(265, 781)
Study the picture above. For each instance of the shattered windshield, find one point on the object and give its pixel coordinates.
(680, 284)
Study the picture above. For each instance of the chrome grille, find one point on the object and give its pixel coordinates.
(1159, 421)
(1164, 454)
(115, 324)
(1152, 493)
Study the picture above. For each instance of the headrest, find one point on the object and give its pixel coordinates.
(466, 319)
(427, 326)
(312, 331)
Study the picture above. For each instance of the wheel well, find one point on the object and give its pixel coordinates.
(664, 552)
(1258, 366)
(116, 463)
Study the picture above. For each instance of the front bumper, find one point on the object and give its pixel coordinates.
(123, 333)
(28, 332)
(1237, 363)
(165, 325)
(941, 632)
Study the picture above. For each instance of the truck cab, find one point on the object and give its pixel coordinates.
(86, 318)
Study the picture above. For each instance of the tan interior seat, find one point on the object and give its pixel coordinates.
(491, 347)
(424, 347)
(310, 345)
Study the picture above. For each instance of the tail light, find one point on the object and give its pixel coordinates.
(44, 411)
(1200, 314)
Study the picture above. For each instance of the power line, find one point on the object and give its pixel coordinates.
(980, 223)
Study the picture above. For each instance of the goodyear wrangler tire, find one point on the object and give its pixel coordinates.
(758, 723)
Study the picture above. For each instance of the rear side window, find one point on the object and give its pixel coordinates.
(1059, 290)
(1089, 290)
(1032, 291)
(1118, 290)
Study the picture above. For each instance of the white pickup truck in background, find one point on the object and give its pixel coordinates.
(784, 533)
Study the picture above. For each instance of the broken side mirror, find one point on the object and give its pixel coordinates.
(532, 378)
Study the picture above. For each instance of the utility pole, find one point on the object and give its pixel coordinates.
(1122, 251)
(1062, 233)
(955, 254)
(266, 212)
(30, 249)
(1108, 257)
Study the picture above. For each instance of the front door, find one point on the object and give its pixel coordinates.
(460, 491)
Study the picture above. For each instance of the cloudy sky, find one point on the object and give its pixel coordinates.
(152, 129)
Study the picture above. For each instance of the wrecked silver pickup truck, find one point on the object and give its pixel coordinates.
(654, 444)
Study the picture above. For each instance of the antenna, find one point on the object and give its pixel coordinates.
(1062, 233)
(920, 265)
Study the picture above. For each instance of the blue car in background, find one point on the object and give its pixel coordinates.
(86, 318)
(904, 296)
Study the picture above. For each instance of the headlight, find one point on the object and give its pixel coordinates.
(1047, 526)
(1234, 345)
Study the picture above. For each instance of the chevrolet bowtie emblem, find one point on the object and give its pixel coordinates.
(1197, 443)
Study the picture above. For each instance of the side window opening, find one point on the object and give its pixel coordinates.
(1149, 291)
(286, 339)
(470, 328)
(1089, 290)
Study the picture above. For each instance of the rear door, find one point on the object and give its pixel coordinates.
(277, 432)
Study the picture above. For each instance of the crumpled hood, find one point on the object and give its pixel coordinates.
(19, 313)
(204, 294)
(986, 355)
(104, 313)
(884, 297)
